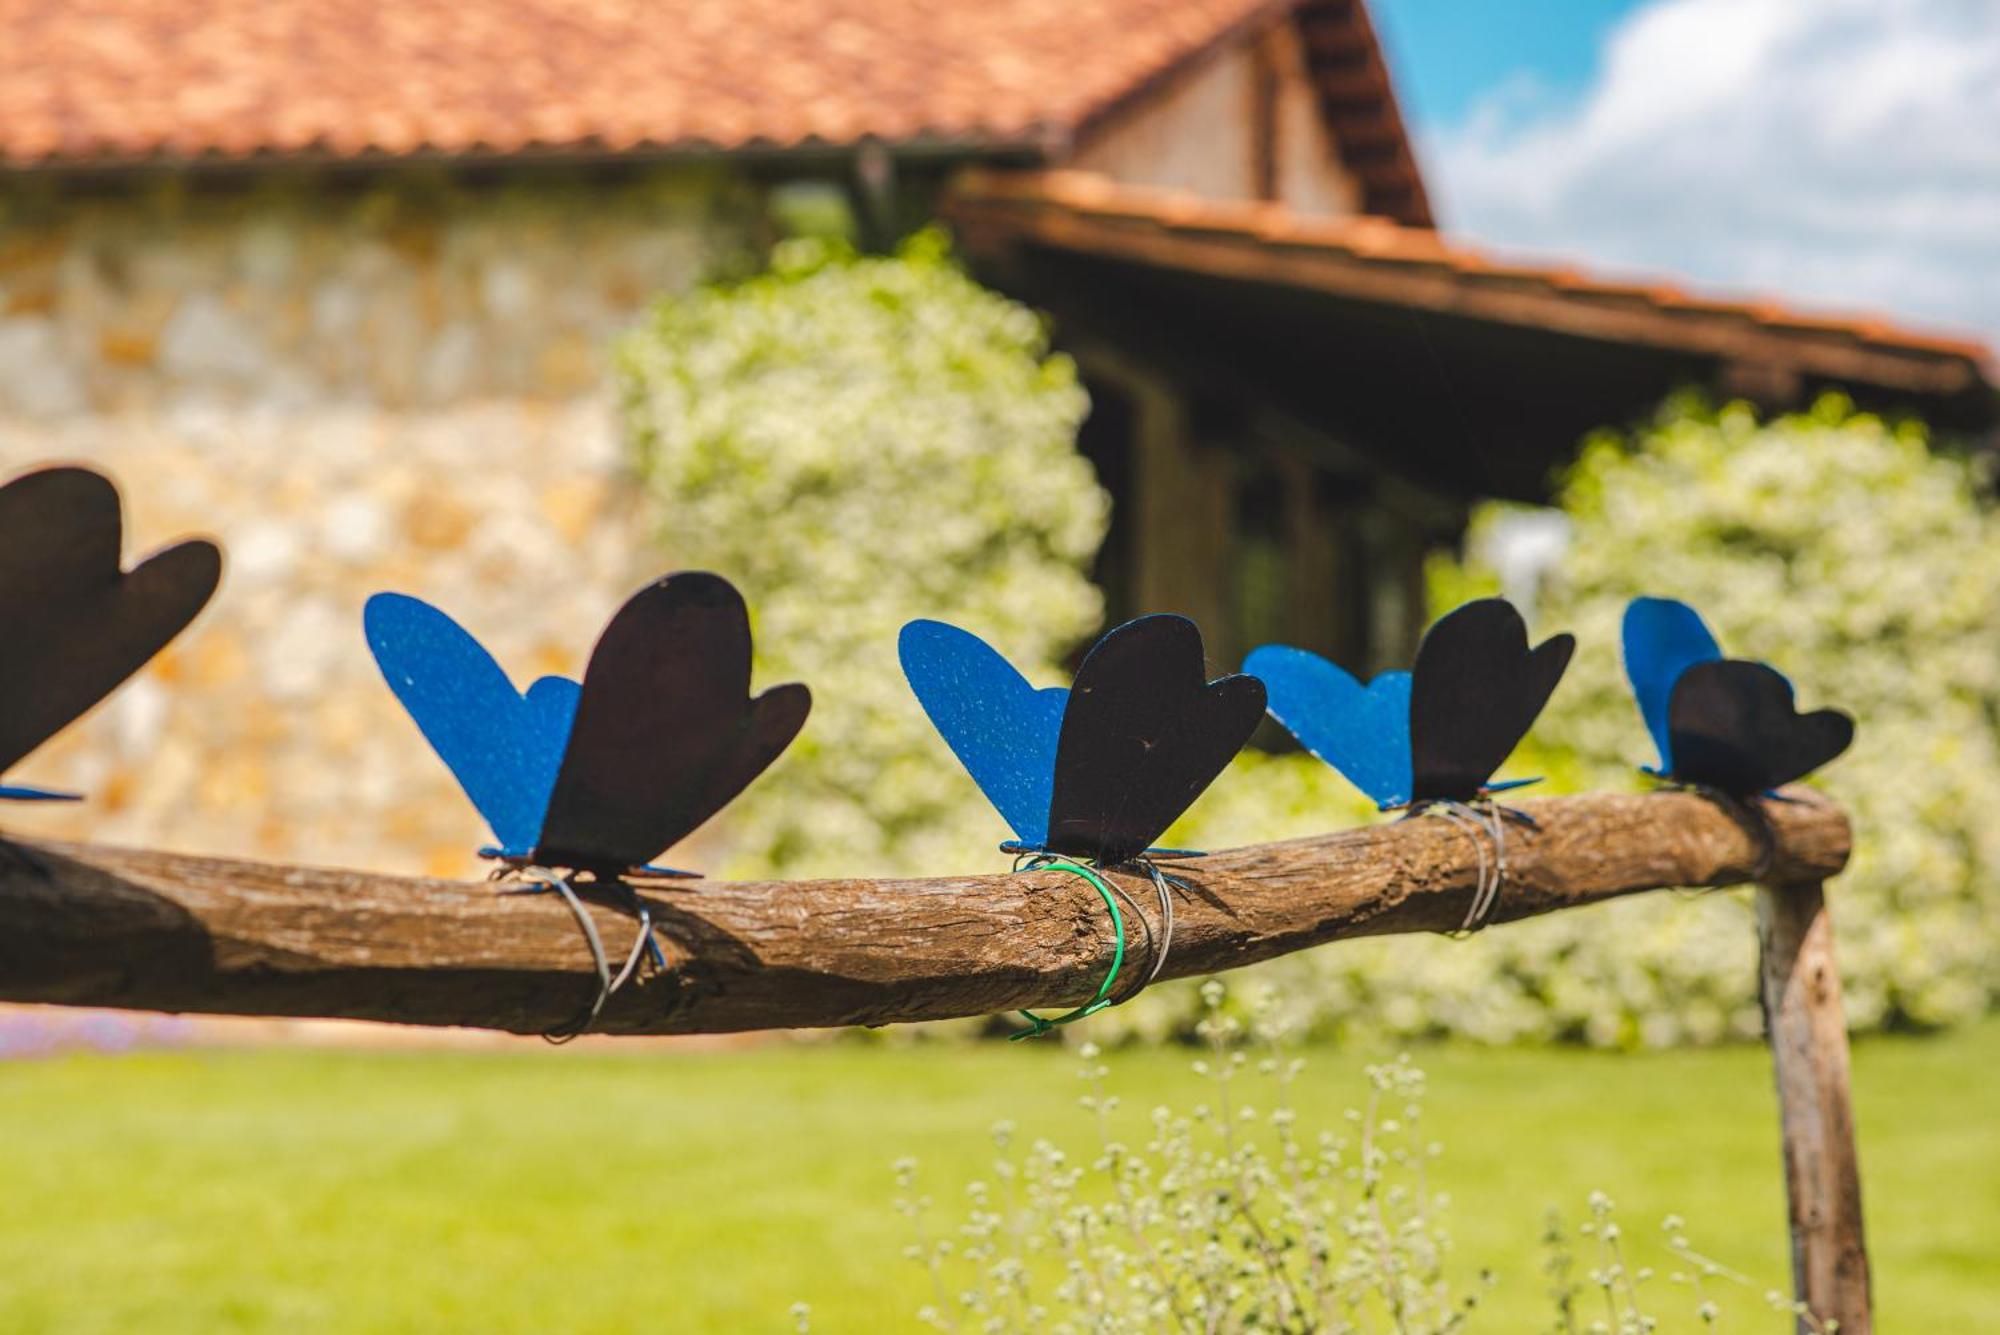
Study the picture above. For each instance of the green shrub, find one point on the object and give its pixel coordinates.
(858, 441)
(1866, 565)
(1843, 548)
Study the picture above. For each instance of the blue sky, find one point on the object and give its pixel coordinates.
(1840, 154)
(1448, 54)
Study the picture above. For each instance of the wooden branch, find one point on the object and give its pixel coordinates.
(89, 926)
(1807, 1031)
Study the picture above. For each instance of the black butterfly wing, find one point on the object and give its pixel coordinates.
(1144, 732)
(75, 623)
(666, 732)
(1475, 690)
(60, 535)
(1733, 726)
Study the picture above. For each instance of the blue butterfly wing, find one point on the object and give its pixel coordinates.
(551, 711)
(503, 748)
(1662, 639)
(549, 716)
(1003, 730)
(1362, 731)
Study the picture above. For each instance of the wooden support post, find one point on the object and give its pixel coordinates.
(1318, 604)
(1184, 516)
(1807, 1032)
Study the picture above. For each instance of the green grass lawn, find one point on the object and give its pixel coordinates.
(607, 1190)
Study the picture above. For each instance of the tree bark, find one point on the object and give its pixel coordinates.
(1807, 1030)
(88, 926)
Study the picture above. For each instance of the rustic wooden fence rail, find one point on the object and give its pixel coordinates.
(89, 926)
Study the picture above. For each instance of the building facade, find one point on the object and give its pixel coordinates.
(336, 285)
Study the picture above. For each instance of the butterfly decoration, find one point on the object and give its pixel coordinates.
(1435, 733)
(1097, 771)
(78, 623)
(1721, 723)
(603, 775)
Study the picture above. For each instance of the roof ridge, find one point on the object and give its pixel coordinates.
(195, 82)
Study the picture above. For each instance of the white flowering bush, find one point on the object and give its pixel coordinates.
(1846, 550)
(856, 441)
(1865, 564)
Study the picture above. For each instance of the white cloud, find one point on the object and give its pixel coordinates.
(1836, 152)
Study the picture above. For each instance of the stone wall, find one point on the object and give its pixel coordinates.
(356, 385)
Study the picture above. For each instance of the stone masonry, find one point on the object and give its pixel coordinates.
(355, 384)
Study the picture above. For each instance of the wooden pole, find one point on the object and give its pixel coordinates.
(1807, 1031)
(90, 926)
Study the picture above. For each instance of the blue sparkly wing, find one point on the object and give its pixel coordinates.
(1002, 729)
(503, 747)
(1362, 731)
(15, 793)
(545, 726)
(1662, 639)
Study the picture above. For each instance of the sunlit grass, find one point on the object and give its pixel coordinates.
(609, 1190)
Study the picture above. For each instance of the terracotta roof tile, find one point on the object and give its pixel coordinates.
(119, 80)
(1354, 256)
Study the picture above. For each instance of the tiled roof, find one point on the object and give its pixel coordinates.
(122, 81)
(1374, 259)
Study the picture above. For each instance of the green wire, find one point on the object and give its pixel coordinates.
(1039, 1025)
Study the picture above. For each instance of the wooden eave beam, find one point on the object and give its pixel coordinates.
(1437, 283)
